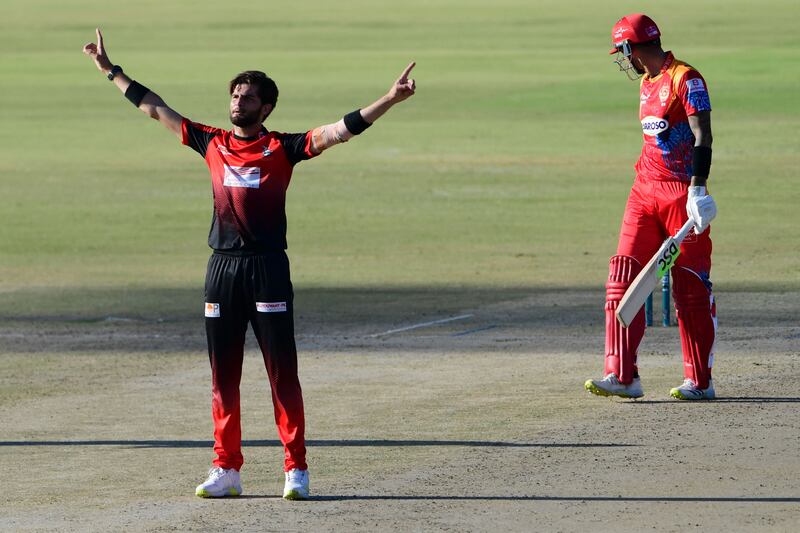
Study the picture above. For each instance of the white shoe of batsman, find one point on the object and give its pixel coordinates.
(221, 482)
(296, 487)
(611, 386)
(689, 391)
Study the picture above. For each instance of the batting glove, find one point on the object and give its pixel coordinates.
(701, 208)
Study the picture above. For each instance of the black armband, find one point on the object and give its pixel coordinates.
(701, 161)
(136, 92)
(355, 123)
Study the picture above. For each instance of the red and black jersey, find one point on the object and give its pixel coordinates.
(249, 178)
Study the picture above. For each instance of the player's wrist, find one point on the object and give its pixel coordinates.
(697, 190)
(112, 72)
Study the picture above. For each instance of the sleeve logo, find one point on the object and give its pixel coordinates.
(695, 85)
(247, 177)
(212, 310)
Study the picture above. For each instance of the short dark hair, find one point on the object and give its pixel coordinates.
(267, 89)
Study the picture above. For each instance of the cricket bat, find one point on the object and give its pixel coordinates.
(651, 274)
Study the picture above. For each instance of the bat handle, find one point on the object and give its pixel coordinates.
(684, 231)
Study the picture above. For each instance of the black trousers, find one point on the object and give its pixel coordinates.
(254, 289)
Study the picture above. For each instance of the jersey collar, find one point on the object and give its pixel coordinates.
(262, 133)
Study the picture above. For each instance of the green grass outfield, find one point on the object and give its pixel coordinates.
(509, 168)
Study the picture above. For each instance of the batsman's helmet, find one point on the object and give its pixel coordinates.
(633, 29)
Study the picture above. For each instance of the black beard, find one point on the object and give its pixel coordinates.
(639, 70)
(245, 121)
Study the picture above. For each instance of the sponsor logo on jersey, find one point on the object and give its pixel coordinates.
(695, 85)
(248, 177)
(271, 307)
(212, 310)
(267, 152)
(652, 126)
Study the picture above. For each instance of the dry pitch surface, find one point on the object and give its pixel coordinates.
(476, 424)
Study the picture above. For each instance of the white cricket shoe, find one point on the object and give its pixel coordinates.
(610, 386)
(221, 482)
(689, 391)
(296, 487)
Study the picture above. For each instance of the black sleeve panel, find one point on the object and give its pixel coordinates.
(198, 137)
(297, 146)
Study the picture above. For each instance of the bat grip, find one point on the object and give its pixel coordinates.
(684, 231)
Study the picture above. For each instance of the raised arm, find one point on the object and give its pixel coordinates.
(142, 97)
(356, 122)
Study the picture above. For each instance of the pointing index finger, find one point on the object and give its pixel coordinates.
(406, 72)
(99, 38)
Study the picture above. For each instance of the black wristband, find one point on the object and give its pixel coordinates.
(355, 123)
(701, 161)
(136, 92)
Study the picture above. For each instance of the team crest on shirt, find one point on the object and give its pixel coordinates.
(663, 94)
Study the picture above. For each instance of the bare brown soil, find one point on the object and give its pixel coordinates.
(474, 424)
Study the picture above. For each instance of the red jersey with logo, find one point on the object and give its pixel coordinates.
(249, 179)
(665, 103)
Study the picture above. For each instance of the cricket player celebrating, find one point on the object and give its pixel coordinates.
(669, 188)
(247, 280)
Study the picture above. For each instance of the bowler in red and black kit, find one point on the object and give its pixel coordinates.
(248, 281)
(670, 188)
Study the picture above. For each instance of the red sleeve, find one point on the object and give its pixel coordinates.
(693, 93)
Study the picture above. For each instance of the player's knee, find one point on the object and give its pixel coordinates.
(622, 270)
(691, 290)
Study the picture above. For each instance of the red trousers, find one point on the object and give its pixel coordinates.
(252, 289)
(654, 211)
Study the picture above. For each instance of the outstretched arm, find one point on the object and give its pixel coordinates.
(145, 99)
(354, 123)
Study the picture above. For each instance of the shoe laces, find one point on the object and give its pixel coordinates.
(688, 384)
(295, 475)
(215, 473)
(612, 378)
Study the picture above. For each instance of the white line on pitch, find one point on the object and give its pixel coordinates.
(422, 325)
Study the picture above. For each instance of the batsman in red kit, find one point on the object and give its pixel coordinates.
(248, 280)
(670, 188)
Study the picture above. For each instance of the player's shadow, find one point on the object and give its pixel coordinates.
(322, 443)
(723, 399)
(666, 499)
